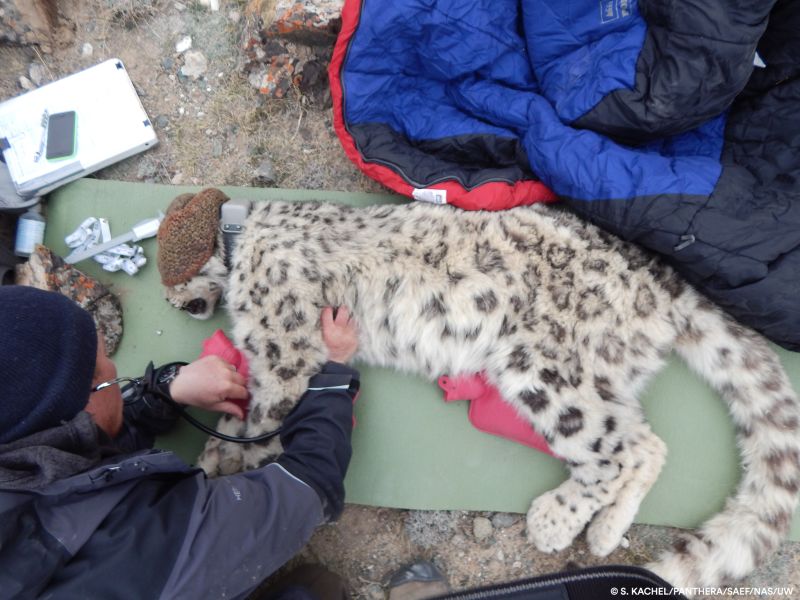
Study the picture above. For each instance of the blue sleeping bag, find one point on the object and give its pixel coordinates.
(672, 124)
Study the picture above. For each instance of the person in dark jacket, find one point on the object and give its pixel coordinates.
(89, 510)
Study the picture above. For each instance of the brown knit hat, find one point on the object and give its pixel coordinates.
(188, 234)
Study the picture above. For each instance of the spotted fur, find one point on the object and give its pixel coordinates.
(567, 321)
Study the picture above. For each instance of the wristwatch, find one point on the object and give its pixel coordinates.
(168, 373)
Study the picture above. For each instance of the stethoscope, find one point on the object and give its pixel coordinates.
(148, 384)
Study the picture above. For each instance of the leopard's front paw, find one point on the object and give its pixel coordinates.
(219, 457)
(230, 460)
(209, 458)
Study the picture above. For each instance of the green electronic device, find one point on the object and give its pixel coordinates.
(62, 139)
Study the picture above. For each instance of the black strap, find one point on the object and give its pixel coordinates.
(149, 384)
(228, 240)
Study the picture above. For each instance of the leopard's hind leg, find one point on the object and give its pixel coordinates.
(612, 456)
(598, 482)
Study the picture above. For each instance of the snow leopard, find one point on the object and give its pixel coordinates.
(569, 323)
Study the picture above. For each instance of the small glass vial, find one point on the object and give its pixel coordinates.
(30, 231)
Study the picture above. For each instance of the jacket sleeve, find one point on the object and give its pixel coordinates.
(316, 435)
(242, 528)
(144, 417)
(245, 526)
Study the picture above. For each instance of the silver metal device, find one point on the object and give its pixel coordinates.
(232, 217)
(233, 214)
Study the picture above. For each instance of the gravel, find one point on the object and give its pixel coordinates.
(482, 528)
(195, 65)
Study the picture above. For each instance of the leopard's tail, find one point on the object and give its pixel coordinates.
(748, 374)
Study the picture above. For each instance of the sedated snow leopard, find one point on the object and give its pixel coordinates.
(567, 321)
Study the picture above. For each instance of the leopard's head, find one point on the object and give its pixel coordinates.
(191, 253)
(200, 295)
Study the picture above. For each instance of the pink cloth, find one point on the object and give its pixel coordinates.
(489, 412)
(219, 345)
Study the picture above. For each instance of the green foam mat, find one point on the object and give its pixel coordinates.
(410, 449)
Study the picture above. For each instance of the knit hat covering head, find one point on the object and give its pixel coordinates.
(188, 234)
(47, 360)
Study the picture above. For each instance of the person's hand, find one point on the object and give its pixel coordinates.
(207, 383)
(340, 334)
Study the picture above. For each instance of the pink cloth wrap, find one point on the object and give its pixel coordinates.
(488, 411)
(219, 345)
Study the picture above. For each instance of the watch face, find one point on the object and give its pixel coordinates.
(168, 374)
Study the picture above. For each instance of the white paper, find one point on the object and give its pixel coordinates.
(111, 124)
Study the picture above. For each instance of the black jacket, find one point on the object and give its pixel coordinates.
(140, 523)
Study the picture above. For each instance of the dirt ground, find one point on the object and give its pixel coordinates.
(218, 130)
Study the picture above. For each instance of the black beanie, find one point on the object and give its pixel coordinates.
(47, 360)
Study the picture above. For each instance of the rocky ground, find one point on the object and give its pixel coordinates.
(214, 128)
